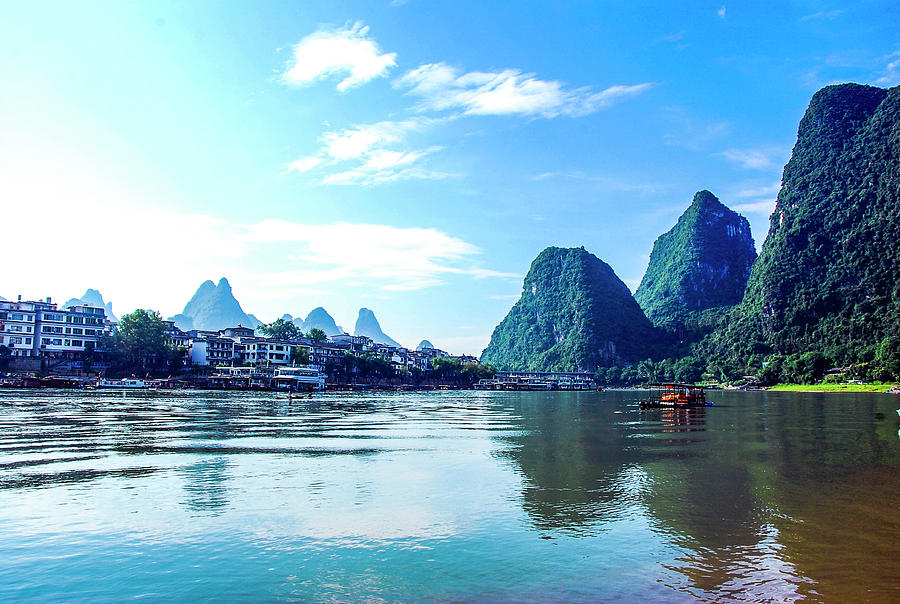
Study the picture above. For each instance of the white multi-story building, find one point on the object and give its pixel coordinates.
(259, 351)
(40, 329)
(17, 327)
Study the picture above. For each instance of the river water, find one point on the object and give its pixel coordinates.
(463, 496)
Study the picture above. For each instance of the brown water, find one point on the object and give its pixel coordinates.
(448, 496)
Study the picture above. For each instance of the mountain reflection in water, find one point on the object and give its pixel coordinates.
(448, 495)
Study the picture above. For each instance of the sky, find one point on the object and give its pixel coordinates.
(412, 157)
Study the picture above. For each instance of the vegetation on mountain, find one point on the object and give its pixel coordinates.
(825, 291)
(821, 301)
(575, 314)
(698, 269)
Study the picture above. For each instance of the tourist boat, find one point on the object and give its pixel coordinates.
(123, 384)
(298, 378)
(674, 395)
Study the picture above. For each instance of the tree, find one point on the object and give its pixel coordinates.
(141, 340)
(281, 329)
(317, 336)
(688, 370)
(300, 355)
(888, 357)
(630, 376)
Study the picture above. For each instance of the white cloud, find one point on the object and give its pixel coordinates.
(758, 191)
(721, 12)
(757, 207)
(304, 164)
(821, 16)
(346, 51)
(756, 198)
(508, 92)
(364, 177)
(370, 154)
(605, 182)
(689, 132)
(890, 75)
(759, 158)
(397, 258)
(383, 159)
(147, 255)
(676, 37)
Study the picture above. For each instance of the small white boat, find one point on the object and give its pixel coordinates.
(123, 384)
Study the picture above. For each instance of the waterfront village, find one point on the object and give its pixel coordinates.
(42, 344)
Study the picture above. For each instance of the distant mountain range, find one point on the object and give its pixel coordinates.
(92, 297)
(214, 307)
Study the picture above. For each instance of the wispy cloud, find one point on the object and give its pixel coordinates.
(890, 75)
(263, 258)
(398, 259)
(378, 153)
(691, 133)
(370, 154)
(770, 190)
(758, 158)
(766, 207)
(509, 92)
(676, 37)
(822, 15)
(756, 198)
(603, 181)
(721, 12)
(346, 52)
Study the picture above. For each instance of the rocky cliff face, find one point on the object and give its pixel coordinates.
(702, 263)
(575, 314)
(828, 276)
(367, 325)
(92, 297)
(214, 307)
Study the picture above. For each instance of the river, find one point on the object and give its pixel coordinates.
(463, 496)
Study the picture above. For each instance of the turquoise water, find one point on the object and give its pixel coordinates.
(447, 496)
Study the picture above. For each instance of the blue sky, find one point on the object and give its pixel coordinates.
(411, 157)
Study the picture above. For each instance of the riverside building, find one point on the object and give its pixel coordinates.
(39, 335)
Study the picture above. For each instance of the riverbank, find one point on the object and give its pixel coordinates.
(876, 387)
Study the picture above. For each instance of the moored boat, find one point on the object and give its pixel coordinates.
(674, 395)
(123, 384)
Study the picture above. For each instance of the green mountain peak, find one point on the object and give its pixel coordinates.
(698, 267)
(574, 314)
